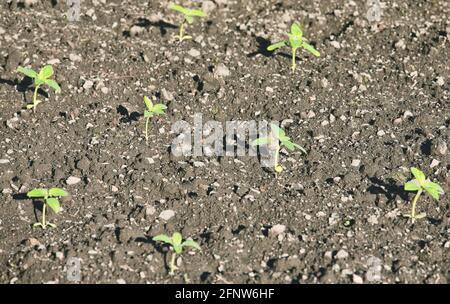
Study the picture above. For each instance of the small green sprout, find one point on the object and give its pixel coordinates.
(280, 136)
(43, 77)
(176, 241)
(420, 184)
(295, 41)
(152, 109)
(50, 197)
(189, 15)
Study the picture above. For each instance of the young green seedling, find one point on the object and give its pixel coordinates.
(152, 109)
(295, 41)
(189, 15)
(176, 241)
(278, 135)
(50, 197)
(43, 77)
(420, 184)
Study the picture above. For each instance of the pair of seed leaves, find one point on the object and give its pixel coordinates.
(50, 196)
(422, 183)
(176, 241)
(153, 109)
(279, 134)
(189, 14)
(295, 41)
(43, 77)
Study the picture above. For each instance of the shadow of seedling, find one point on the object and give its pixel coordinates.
(390, 189)
(263, 43)
(145, 23)
(159, 247)
(38, 204)
(23, 86)
(128, 116)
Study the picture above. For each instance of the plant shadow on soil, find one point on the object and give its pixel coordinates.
(38, 205)
(145, 23)
(160, 248)
(390, 189)
(23, 86)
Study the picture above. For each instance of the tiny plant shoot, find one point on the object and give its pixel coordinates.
(176, 241)
(279, 135)
(295, 41)
(189, 15)
(51, 199)
(43, 77)
(420, 184)
(152, 109)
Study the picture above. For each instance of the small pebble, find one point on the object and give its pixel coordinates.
(73, 180)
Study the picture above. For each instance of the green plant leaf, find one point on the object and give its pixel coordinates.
(310, 49)
(148, 114)
(412, 185)
(177, 238)
(197, 13)
(261, 141)
(37, 193)
(53, 84)
(189, 19)
(159, 108)
(148, 103)
(57, 192)
(162, 238)
(191, 243)
(296, 30)
(279, 133)
(178, 248)
(180, 9)
(53, 203)
(277, 45)
(27, 72)
(433, 189)
(288, 145)
(46, 72)
(419, 175)
(300, 148)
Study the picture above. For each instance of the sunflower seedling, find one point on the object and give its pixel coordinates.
(295, 41)
(420, 184)
(177, 245)
(50, 197)
(43, 77)
(278, 136)
(189, 15)
(152, 109)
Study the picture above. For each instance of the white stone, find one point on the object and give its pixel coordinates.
(277, 230)
(72, 180)
(4, 161)
(434, 163)
(194, 53)
(75, 58)
(222, 70)
(342, 254)
(167, 215)
(356, 162)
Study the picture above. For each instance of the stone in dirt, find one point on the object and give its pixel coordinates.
(222, 70)
(73, 180)
(277, 230)
(167, 215)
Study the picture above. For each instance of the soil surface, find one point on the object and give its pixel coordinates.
(373, 105)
